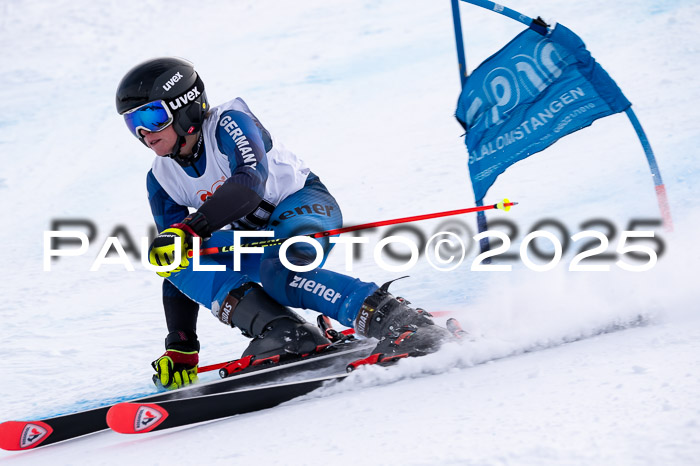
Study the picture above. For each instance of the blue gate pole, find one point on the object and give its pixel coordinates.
(655, 172)
(481, 223)
(460, 43)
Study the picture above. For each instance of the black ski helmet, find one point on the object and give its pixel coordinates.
(173, 80)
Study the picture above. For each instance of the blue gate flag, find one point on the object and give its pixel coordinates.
(525, 97)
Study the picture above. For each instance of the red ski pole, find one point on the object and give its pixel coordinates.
(503, 205)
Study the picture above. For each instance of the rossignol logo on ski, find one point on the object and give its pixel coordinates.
(184, 99)
(146, 418)
(31, 435)
(329, 294)
(171, 82)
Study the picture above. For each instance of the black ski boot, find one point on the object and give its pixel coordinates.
(276, 329)
(402, 331)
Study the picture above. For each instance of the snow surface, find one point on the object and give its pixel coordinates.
(365, 92)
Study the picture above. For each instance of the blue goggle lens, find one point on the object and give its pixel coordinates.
(153, 117)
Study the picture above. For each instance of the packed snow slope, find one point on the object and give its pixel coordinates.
(562, 367)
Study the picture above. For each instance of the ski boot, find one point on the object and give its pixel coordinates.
(402, 331)
(276, 330)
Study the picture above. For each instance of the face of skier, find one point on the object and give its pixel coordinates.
(162, 142)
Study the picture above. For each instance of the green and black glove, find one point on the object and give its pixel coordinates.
(177, 367)
(162, 250)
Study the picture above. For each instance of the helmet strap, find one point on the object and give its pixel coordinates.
(180, 143)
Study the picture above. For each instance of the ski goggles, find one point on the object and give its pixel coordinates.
(153, 117)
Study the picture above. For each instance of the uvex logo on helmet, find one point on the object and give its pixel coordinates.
(184, 99)
(171, 82)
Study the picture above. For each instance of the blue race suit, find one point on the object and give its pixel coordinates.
(252, 194)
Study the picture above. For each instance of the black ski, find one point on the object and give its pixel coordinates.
(24, 435)
(138, 418)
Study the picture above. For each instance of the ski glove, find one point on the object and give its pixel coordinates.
(162, 250)
(175, 369)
